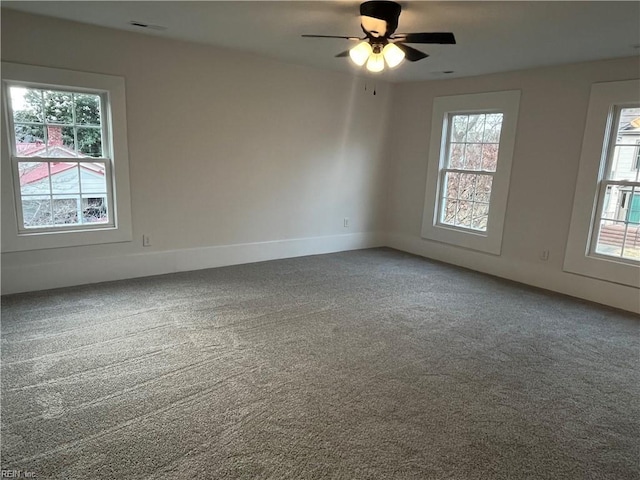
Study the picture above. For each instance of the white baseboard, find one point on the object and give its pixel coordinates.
(538, 275)
(102, 269)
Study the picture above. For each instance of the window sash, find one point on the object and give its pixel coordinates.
(443, 196)
(598, 218)
(22, 229)
(104, 116)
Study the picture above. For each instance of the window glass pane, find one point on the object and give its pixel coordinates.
(473, 156)
(65, 210)
(492, 128)
(632, 242)
(58, 107)
(475, 128)
(624, 163)
(452, 181)
(467, 187)
(483, 188)
(26, 104)
(30, 141)
(463, 215)
(34, 178)
(93, 178)
(633, 206)
(65, 178)
(36, 211)
(60, 142)
(449, 212)
(490, 156)
(628, 126)
(480, 215)
(458, 128)
(87, 108)
(617, 200)
(94, 210)
(480, 223)
(90, 141)
(610, 238)
(456, 155)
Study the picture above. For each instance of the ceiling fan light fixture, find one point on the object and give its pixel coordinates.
(360, 53)
(380, 44)
(393, 55)
(375, 63)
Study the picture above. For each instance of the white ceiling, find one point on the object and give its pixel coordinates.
(492, 36)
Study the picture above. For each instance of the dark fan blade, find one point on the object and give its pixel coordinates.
(410, 53)
(331, 36)
(343, 54)
(425, 37)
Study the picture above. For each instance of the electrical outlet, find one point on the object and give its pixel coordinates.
(346, 222)
(544, 255)
(146, 241)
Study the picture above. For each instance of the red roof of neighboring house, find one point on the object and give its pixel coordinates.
(41, 171)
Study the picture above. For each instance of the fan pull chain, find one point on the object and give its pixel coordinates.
(374, 88)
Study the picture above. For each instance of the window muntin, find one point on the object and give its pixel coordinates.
(466, 175)
(60, 158)
(616, 228)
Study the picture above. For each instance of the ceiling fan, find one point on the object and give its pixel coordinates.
(379, 20)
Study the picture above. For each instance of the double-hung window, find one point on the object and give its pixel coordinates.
(63, 166)
(66, 159)
(472, 140)
(604, 237)
(616, 231)
(469, 164)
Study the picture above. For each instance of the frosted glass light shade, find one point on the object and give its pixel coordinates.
(393, 55)
(375, 63)
(360, 53)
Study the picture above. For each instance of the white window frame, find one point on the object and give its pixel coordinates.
(112, 90)
(594, 157)
(489, 241)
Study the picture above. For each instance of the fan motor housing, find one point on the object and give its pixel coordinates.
(385, 10)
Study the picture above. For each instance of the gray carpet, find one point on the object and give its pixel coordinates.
(371, 364)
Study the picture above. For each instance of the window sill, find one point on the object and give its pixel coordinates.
(458, 237)
(602, 268)
(46, 240)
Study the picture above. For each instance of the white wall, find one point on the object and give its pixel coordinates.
(551, 124)
(225, 149)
